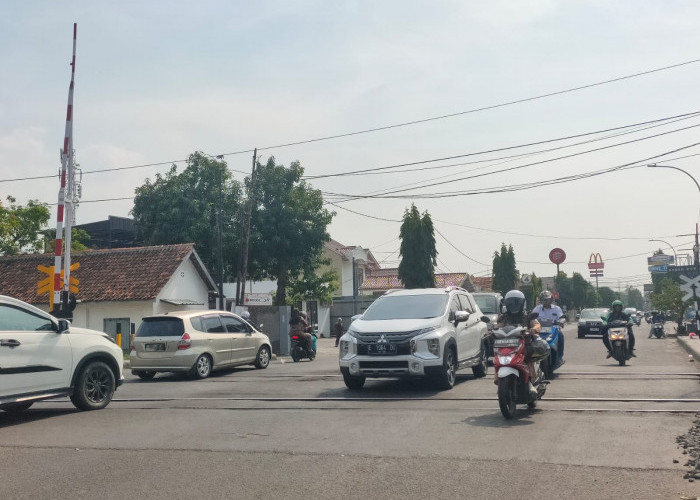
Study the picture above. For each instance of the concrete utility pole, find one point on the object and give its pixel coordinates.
(244, 266)
(220, 230)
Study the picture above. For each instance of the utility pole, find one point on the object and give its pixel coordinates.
(696, 251)
(244, 267)
(220, 230)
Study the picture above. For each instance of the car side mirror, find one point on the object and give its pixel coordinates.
(63, 325)
(485, 319)
(603, 317)
(461, 316)
(578, 316)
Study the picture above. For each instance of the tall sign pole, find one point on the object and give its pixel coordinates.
(65, 202)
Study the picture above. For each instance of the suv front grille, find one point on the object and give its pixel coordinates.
(393, 337)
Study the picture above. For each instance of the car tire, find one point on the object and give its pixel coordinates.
(94, 386)
(353, 383)
(447, 376)
(16, 408)
(144, 375)
(201, 368)
(262, 359)
(482, 368)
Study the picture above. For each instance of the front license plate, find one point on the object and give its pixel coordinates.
(154, 347)
(506, 342)
(546, 329)
(594, 329)
(381, 349)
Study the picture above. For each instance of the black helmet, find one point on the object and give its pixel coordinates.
(515, 301)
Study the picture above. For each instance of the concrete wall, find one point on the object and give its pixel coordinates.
(275, 321)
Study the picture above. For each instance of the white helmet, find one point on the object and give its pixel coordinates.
(245, 315)
(515, 302)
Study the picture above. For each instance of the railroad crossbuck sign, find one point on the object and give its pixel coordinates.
(691, 287)
(46, 285)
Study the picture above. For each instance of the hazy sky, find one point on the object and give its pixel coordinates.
(158, 80)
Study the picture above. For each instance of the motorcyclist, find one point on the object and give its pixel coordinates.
(546, 310)
(515, 314)
(618, 314)
(656, 317)
(299, 326)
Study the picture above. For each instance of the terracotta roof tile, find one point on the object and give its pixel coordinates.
(386, 279)
(105, 275)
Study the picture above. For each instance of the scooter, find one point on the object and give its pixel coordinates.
(550, 332)
(657, 330)
(512, 371)
(298, 349)
(619, 341)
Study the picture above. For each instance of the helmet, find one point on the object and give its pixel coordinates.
(545, 295)
(245, 315)
(617, 303)
(515, 301)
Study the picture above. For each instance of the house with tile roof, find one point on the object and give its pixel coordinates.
(380, 280)
(342, 259)
(117, 287)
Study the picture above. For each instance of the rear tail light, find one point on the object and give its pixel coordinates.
(294, 337)
(185, 342)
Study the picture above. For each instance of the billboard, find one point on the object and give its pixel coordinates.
(660, 259)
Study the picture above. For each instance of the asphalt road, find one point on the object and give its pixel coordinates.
(294, 431)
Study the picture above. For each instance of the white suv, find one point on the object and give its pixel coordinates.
(42, 357)
(429, 332)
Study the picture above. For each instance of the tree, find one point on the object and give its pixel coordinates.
(579, 291)
(288, 225)
(607, 296)
(670, 298)
(635, 298)
(184, 207)
(78, 241)
(311, 286)
(505, 274)
(21, 226)
(418, 250)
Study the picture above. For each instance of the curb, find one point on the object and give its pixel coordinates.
(692, 346)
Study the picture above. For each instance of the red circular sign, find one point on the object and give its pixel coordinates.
(557, 256)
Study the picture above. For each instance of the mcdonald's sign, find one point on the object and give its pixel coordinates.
(595, 261)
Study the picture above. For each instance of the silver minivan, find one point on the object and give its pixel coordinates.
(196, 342)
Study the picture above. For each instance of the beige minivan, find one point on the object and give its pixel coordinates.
(196, 342)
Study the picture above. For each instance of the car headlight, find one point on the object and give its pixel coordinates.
(426, 330)
(434, 346)
(344, 347)
(351, 332)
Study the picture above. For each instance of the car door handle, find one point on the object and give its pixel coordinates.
(9, 343)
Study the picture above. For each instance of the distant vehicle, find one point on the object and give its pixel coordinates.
(428, 332)
(196, 343)
(634, 317)
(44, 357)
(590, 322)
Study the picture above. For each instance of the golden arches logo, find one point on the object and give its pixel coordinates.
(595, 261)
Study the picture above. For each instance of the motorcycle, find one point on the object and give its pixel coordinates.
(298, 350)
(619, 341)
(657, 329)
(550, 332)
(512, 371)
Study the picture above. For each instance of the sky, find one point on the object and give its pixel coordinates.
(156, 81)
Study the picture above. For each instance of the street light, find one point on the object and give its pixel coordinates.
(654, 165)
(670, 246)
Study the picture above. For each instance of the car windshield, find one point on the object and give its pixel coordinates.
(406, 307)
(630, 310)
(591, 314)
(487, 303)
(161, 327)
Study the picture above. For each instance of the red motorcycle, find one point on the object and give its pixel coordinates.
(512, 370)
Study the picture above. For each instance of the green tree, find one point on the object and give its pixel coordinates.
(288, 226)
(635, 298)
(564, 286)
(670, 298)
(418, 250)
(184, 207)
(312, 286)
(78, 241)
(579, 291)
(21, 226)
(505, 274)
(592, 298)
(607, 296)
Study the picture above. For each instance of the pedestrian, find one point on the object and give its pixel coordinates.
(338, 330)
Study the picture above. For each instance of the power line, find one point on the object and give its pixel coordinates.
(461, 252)
(474, 110)
(509, 169)
(368, 171)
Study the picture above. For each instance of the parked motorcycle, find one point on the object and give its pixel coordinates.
(619, 341)
(512, 370)
(298, 350)
(550, 332)
(657, 330)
